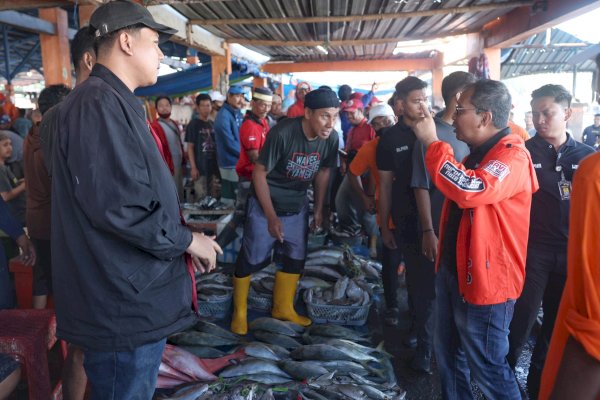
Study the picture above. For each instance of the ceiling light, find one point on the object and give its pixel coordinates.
(322, 49)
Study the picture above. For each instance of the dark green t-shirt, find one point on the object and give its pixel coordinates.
(292, 161)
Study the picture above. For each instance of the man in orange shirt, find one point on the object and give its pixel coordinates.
(8, 108)
(380, 117)
(572, 369)
(297, 109)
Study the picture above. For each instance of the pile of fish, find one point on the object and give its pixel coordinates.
(345, 292)
(214, 287)
(333, 263)
(286, 361)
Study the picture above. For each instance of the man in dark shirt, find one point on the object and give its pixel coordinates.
(297, 151)
(200, 137)
(395, 153)
(120, 277)
(555, 156)
(592, 132)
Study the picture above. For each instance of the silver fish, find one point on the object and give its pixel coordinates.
(194, 338)
(213, 329)
(326, 352)
(275, 338)
(261, 350)
(307, 282)
(336, 331)
(276, 326)
(266, 378)
(203, 351)
(250, 366)
(339, 289)
(189, 392)
(301, 370)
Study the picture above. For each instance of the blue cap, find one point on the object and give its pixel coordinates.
(236, 89)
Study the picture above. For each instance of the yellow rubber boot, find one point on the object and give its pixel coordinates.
(239, 321)
(284, 292)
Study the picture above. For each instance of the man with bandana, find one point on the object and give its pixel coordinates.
(297, 151)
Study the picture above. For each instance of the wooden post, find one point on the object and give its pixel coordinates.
(437, 75)
(221, 65)
(493, 56)
(259, 82)
(56, 55)
(85, 12)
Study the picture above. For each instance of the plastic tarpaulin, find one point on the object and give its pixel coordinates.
(194, 79)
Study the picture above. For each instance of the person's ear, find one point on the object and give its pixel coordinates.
(126, 42)
(568, 113)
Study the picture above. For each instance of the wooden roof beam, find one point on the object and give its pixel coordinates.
(26, 22)
(28, 4)
(366, 17)
(523, 22)
(410, 64)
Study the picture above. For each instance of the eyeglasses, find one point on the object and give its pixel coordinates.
(459, 110)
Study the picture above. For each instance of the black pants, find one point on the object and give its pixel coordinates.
(545, 276)
(420, 279)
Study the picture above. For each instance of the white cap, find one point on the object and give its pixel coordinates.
(380, 110)
(216, 96)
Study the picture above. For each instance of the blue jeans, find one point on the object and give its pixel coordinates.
(471, 341)
(115, 375)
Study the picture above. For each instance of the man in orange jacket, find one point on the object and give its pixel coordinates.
(483, 241)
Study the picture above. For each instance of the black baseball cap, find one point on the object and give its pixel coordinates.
(118, 14)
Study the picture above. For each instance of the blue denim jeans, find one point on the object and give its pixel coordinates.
(116, 375)
(471, 341)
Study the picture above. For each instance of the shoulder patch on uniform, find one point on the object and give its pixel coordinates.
(460, 179)
(497, 169)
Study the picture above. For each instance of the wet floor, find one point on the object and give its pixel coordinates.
(419, 386)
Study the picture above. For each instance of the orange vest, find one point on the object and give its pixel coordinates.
(492, 237)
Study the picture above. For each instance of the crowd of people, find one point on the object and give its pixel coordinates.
(479, 214)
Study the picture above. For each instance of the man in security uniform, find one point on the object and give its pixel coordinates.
(556, 156)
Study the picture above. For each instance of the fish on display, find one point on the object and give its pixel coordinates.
(252, 365)
(327, 352)
(322, 272)
(301, 370)
(284, 341)
(307, 282)
(214, 329)
(262, 350)
(195, 338)
(189, 392)
(203, 351)
(276, 326)
(186, 363)
(336, 331)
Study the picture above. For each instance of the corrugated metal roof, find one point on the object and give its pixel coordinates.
(537, 54)
(439, 25)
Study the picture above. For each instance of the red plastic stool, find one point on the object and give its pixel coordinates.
(28, 335)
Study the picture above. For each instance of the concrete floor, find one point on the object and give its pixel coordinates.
(419, 386)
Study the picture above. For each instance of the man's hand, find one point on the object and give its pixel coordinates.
(194, 174)
(369, 203)
(275, 228)
(317, 221)
(424, 128)
(387, 237)
(27, 248)
(204, 251)
(429, 245)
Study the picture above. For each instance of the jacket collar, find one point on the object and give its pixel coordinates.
(113, 81)
(541, 141)
(478, 153)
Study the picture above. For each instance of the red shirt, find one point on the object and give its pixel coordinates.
(252, 137)
(359, 135)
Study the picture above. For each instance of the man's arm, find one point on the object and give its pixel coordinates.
(429, 240)
(195, 174)
(263, 194)
(386, 179)
(321, 182)
(252, 155)
(578, 375)
(356, 184)
(14, 192)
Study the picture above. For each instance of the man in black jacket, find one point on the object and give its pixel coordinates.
(118, 243)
